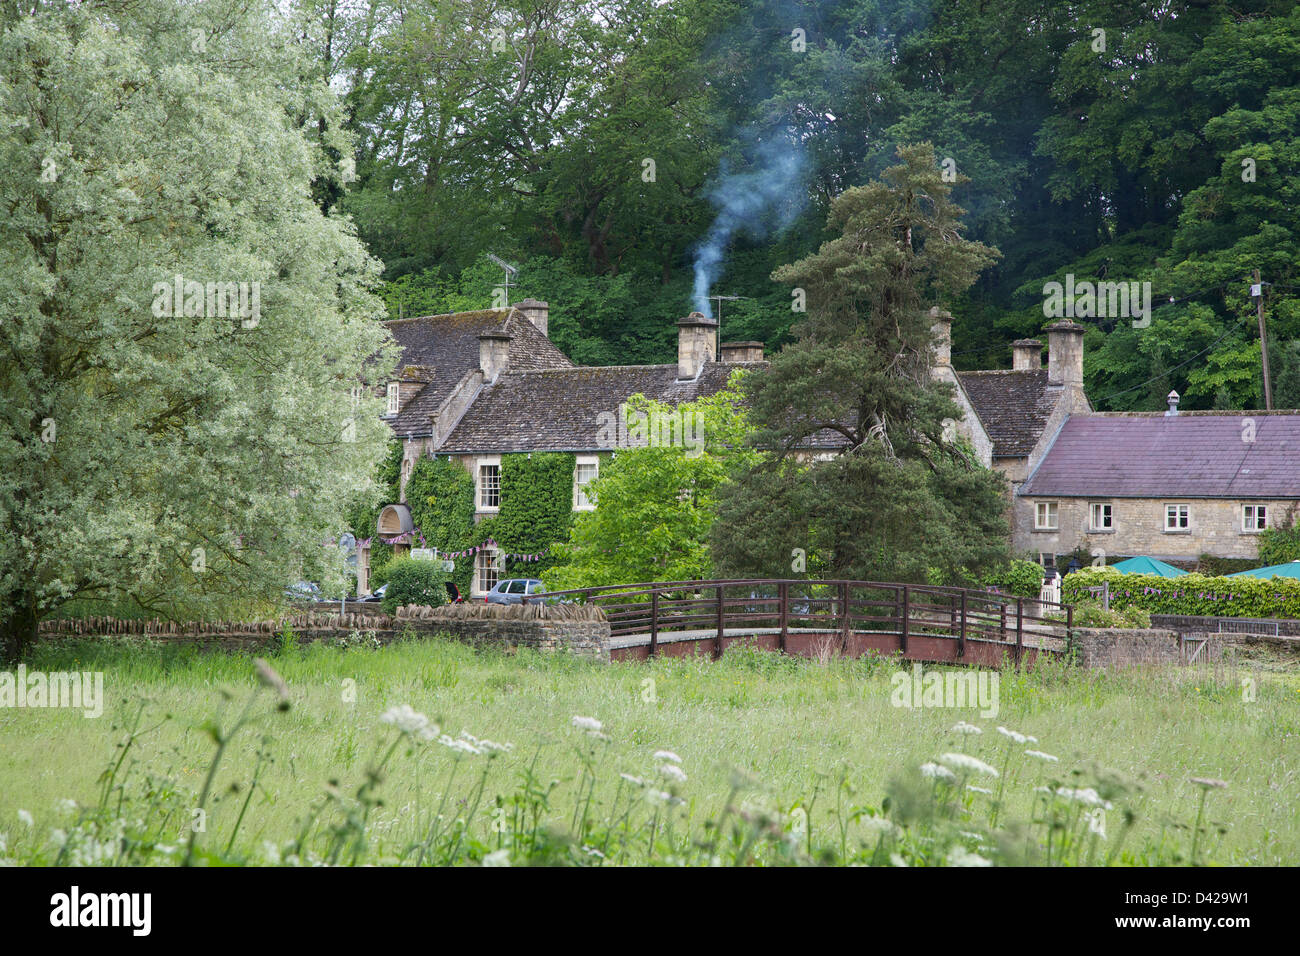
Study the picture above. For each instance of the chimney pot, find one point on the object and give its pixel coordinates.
(1026, 354)
(494, 354)
(1172, 399)
(697, 342)
(1065, 353)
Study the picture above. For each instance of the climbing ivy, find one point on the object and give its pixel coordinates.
(440, 494)
(363, 516)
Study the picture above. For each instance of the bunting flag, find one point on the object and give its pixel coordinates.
(488, 545)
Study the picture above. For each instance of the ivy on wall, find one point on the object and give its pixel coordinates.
(1195, 595)
(536, 509)
(364, 515)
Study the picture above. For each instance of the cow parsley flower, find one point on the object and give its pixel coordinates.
(936, 772)
(1087, 796)
(968, 763)
(497, 858)
(667, 755)
(1017, 737)
(408, 720)
(25, 818)
(960, 856)
(673, 772)
(961, 727)
(589, 724)
(1039, 755)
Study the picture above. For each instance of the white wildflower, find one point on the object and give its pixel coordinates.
(936, 772)
(589, 724)
(1039, 755)
(667, 755)
(880, 825)
(658, 797)
(497, 858)
(673, 772)
(66, 806)
(1087, 796)
(407, 720)
(974, 789)
(960, 856)
(961, 727)
(896, 859)
(635, 781)
(1017, 737)
(1096, 822)
(460, 746)
(25, 817)
(968, 763)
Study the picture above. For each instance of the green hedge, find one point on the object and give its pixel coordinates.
(413, 582)
(1021, 578)
(1195, 595)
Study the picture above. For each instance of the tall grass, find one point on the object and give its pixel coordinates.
(431, 752)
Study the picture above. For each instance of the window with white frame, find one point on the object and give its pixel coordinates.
(1178, 517)
(485, 570)
(394, 398)
(489, 484)
(1101, 516)
(587, 468)
(1045, 515)
(1254, 517)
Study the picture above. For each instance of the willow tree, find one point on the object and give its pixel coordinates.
(899, 500)
(182, 328)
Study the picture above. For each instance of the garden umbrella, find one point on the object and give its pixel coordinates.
(1145, 565)
(1289, 570)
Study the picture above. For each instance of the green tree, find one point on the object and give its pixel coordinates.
(656, 503)
(152, 451)
(901, 501)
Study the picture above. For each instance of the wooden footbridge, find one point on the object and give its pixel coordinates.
(821, 618)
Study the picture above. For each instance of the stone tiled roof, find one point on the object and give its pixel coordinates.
(1012, 406)
(448, 347)
(559, 409)
(1189, 455)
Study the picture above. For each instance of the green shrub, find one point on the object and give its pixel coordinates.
(413, 582)
(1192, 594)
(1093, 614)
(1021, 578)
(1280, 544)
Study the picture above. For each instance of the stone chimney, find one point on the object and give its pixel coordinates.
(1065, 353)
(697, 341)
(941, 335)
(412, 378)
(493, 354)
(1026, 355)
(739, 353)
(1172, 399)
(537, 313)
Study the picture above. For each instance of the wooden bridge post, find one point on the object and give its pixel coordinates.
(907, 614)
(844, 616)
(783, 599)
(654, 622)
(717, 645)
(1020, 629)
(961, 639)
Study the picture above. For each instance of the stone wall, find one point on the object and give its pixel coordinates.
(1123, 647)
(1215, 527)
(1187, 624)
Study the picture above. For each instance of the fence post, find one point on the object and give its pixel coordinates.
(783, 599)
(1020, 629)
(717, 646)
(961, 639)
(654, 622)
(844, 616)
(1069, 631)
(907, 613)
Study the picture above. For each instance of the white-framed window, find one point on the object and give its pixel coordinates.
(485, 570)
(394, 397)
(1045, 515)
(1178, 517)
(489, 484)
(1101, 516)
(1254, 517)
(586, 468)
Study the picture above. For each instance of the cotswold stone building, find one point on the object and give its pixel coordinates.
(1172, 485)
(475, 386)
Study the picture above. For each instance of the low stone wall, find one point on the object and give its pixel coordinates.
(1188, 625)
(546, 629)
(1124, 647)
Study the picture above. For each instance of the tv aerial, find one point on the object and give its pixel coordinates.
(509, 270)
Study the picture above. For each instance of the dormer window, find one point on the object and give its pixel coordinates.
(394, 397)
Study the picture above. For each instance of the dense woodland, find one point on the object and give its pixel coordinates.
(1164, 148)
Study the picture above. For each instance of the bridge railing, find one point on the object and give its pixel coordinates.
(836, 607)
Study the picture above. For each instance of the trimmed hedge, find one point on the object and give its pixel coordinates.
(1195, 595)
(413, 582)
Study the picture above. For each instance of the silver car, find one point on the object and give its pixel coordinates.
(514, 590)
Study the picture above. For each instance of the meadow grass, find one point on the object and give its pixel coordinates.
(784, 761)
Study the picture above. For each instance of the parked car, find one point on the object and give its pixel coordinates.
(375, 596)
(514, 590)
(304, 591)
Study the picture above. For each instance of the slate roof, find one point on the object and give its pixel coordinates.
(449, 346)
(1012, 406)
(1189, 455)
(559, 409)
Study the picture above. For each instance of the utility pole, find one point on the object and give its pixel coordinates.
(1258, 291)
